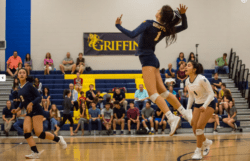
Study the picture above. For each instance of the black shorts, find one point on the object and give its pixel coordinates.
(212, 104)
(36, 111)
(149, 60)
(13, 70)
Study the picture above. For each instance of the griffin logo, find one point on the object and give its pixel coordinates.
(93, 40)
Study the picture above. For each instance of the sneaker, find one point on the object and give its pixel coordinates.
(233, 131)
(197, 155)
(62, 142)
(114, 132)
(173, 122)
(235, 126)
(219, 127)
(152, 133)
(206, 146)
(121, 132)
(32, 156)
(215, 132)
(188, 115)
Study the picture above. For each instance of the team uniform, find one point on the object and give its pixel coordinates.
(200, 92)
(151, 32)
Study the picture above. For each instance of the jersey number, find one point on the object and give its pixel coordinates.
(195, 93)
(158, 36)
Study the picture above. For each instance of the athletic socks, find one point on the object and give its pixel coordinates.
(182, 110)
(169, 115)
(56, 139)
(34, 149)
(152, 129)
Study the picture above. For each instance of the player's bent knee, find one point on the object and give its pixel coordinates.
(27, 135)
(199, 131)
(154, 96)
(165, 94)
(42, 135)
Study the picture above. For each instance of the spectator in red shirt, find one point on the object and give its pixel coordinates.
(12, 64)
(133, 116)
(82, 99)
(78, 82)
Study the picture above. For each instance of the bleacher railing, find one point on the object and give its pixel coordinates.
(248, 100)
(237, 68)
(231, 64)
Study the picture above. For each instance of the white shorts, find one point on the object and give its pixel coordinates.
(50, 68)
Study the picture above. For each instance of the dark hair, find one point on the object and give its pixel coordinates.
(91, 85)
(116, 103)
(80, 54)
(81, 92)
(169, 20)
(216, 73)
(227, 93)
(225, 54)
(180, 55)
(149, 102)
(14, 52)
(189, 59)
(82, 110)
(26, 57)
(223, 84)
(15, 84)
(131, 102)
(49, 55)
(95, 100)
(108, 104)
(66, 92)
(198, 67)
(108, 99)
(44, 90)
(28, 78)
(98, 91)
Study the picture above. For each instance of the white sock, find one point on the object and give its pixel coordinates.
(198, 149)
(152, 129)
(169, 114)
(182, 110)
(147, 129)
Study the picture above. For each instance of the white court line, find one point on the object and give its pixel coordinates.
(39, 155)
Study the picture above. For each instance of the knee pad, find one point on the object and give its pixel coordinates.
(164, 94)
(199, 131)
(153, 97)
(42, 135)
(27, 135)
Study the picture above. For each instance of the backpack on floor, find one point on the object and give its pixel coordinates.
(141, 131)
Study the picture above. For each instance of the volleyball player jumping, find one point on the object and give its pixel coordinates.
(30, 99)
(151, 32)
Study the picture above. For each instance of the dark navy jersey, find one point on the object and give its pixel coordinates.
(151, 32)
(28, 93)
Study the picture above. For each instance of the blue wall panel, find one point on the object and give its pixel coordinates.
(18, 18)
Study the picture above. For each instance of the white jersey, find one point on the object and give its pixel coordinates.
(200, 91)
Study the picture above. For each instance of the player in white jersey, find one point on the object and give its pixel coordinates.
(200, 92)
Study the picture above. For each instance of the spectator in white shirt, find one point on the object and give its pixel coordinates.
(141, 97)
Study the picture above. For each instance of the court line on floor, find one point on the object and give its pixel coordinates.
(10, 148)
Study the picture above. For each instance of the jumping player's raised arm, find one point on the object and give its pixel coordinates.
(133, 33)
(205, 83)
(183, 25)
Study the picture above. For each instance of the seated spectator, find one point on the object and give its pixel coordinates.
(107, 117)
(20, 66)
(94, 117)
(226, 99)
(221, 63)
(15, 83)
(74, 95)
(119, 117)
(12, 64)
(215, 119)
(48, 63)
(38, 85)
(46, 99)
(80, 63)
(179, 60)
(20, 115)
(183, 96)
(181, 76)
(216, 81)
(133, 115)
(83, 118)
(55, 118)
(16, 99)
(78, 82)
(192, 57)
(68, 64)
(232, 116)
(8, 117)
(108, 100)
(28, 63)
(160, 120)
(141, 97)
(216, 111)
(100, 99)
(46, 119)
(82, 99)
(90, 95)
(120, 96)
(222, 91)
(216, 91)
(170, 76)
(148, 116)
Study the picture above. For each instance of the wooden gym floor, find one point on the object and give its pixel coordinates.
(226, 147)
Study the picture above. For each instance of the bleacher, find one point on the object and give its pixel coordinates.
(103, 80)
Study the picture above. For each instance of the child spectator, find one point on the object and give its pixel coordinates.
(107, 116)
(148, 116)
(181, 76)
(232, 116)
(133, 115)
(216, 81)
(94, 117)
(38, 85)
(48, 63)
(28, 63)
(82, 99)
(83, 118)
(160, 120)
(46, 99)
(180, 60)
(8, 117)
(78, 82)
(55, 118)
(119, 115)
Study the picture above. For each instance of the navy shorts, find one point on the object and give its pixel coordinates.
(149, 60)
(212, 104)
(36, 111)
